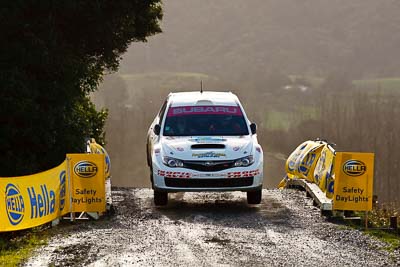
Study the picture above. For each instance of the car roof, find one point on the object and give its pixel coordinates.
(203, 98)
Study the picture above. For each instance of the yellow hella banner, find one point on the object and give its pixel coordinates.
(303, 160)
(33, 200)
(323, 170)
(294, 160)
(98, 149)
(308, 161)
(76, 185)
(353, 189)
(87, 173)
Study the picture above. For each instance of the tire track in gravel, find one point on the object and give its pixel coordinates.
(211, 229)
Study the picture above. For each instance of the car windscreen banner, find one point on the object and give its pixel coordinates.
(204, 110)
(33, 200)
(87, 182)
(353, 188)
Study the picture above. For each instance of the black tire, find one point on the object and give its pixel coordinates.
(148, 155)
(254, 197)
(160, 198)
(151, 178)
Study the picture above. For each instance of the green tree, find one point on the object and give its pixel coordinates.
(52, 55)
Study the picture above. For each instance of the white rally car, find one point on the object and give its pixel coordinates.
(203, 141)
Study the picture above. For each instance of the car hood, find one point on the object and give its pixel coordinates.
(207, 147)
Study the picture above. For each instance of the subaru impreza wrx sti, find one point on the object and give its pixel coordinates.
(203, 141)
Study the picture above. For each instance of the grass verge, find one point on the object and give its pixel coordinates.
(391, 239)
(17, 247)
(379, 225)
(380, 218)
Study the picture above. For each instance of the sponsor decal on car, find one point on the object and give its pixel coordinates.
(207, 139)
(240, 174)
(243, 174)
(217, 175)
(170, 174)
(200, 110)
(208, 155)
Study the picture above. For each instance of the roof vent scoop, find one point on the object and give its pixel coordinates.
(204, 103)
(208, 146)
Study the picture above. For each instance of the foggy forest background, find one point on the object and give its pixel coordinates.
(302, 69)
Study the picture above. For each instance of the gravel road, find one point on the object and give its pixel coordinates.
(212, 229)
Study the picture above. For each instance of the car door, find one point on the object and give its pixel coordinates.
(152, 138)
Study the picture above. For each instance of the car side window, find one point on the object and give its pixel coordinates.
(162, 111)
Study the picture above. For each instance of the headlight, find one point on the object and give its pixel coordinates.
(244, 162)
(171, 162)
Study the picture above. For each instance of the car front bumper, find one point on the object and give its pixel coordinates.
(187, 180)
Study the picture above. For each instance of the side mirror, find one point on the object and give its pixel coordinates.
(253, 128)
(157, 129)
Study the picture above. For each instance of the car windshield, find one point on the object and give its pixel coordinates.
(205, 120)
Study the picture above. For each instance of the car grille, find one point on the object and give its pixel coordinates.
(208, 183)
(209, 166)
(208, 146)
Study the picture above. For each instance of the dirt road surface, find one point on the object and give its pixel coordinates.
(212, 229)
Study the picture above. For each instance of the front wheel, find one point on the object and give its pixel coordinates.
(160, 198)
(151, 178)
(254, 197)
